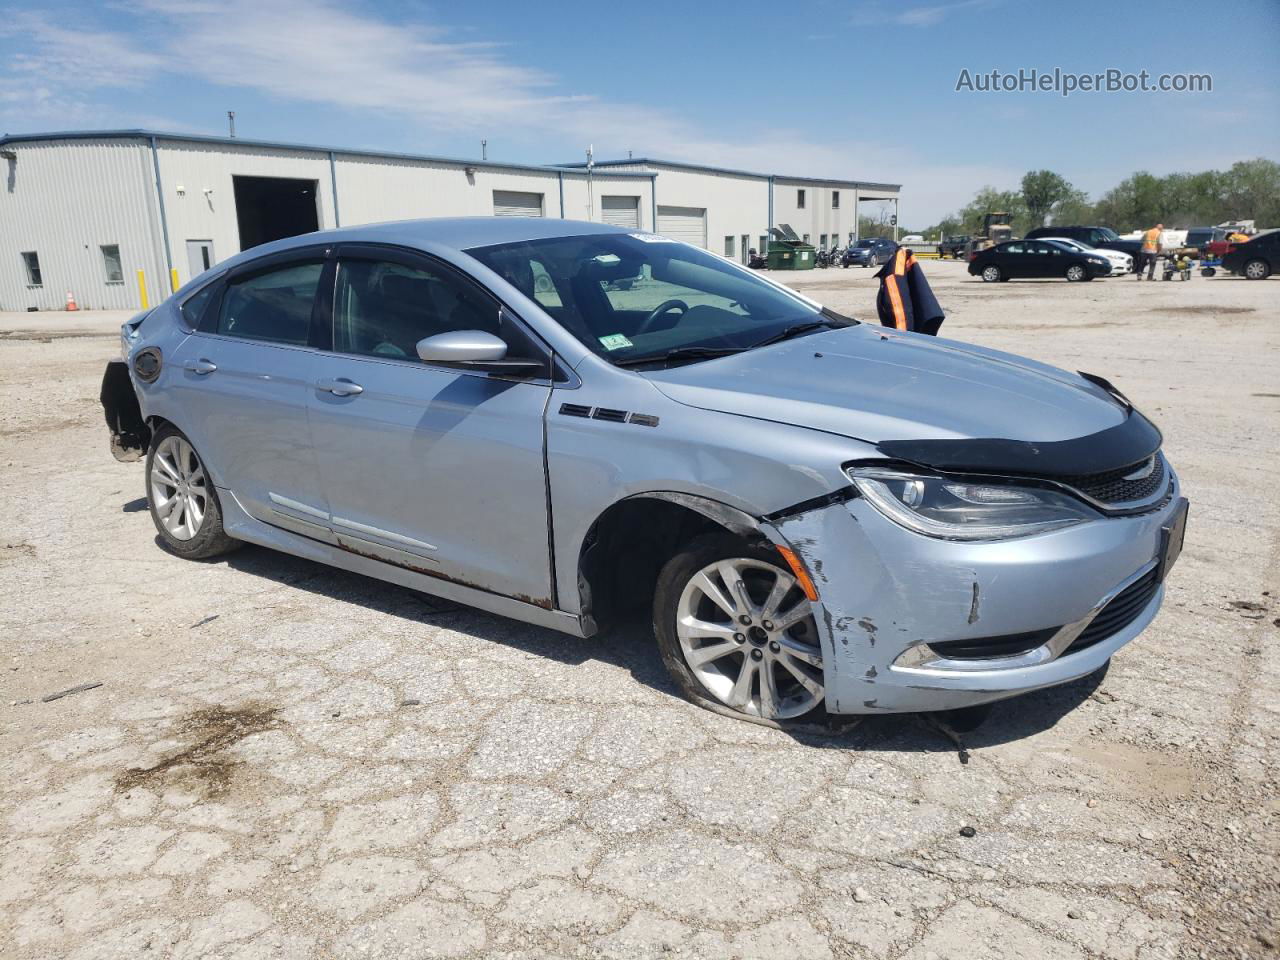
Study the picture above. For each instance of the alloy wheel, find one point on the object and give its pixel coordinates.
(179, 488)
(1256, 270)
(1075, 272)
(991, 274)
(747, 632)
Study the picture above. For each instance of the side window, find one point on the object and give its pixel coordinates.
(382, 309)
(274, 306)
(1012, 248)
(194, 306)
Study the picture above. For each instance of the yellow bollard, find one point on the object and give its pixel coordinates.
(173, 279)
(142, 289)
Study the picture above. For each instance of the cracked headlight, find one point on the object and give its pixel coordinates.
(964, 510)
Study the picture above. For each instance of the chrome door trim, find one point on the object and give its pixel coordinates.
(300, 507)
(383, 534)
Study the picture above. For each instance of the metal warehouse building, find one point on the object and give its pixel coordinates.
(121, 218)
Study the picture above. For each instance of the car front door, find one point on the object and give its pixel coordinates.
(431, 467)
(241, 383)
(1039, 260)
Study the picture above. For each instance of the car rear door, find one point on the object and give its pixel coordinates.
(434, 468)
(1010, 258)
(242, 388)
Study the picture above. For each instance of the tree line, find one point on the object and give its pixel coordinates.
(1250, 190)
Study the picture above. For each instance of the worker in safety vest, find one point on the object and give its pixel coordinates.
(1151, 250)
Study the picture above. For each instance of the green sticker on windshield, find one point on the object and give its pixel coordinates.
(615, 341)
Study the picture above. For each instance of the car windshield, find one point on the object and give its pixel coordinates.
(1108, 234)
(631, 297)
(867, 243)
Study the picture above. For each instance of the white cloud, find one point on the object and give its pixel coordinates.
(340, 57)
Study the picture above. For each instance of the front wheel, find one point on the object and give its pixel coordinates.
(736, 630)
(1257, 270)
(1076, 273)
(991, 274)
(184, 505)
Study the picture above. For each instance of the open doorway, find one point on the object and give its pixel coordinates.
(269, 208)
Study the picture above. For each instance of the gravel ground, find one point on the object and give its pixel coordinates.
(285, 760)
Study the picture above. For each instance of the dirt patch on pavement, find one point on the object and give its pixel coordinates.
(204, 763)
(1203, 310)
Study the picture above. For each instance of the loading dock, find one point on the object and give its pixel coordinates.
(271, 208)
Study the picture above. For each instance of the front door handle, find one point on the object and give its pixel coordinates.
(341, 387)
(202, 366)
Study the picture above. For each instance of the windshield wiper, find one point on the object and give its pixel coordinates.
(795, 330)
(679, 353)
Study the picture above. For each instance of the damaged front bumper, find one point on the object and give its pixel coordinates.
(911, 623)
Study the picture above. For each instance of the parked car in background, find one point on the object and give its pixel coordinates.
(1102, 237)
(1026, 259)
(1200, 239)
(808, 510)
(1120, 262)
(912, 238)
(869, 252)
(1256, 259)
(954, 246)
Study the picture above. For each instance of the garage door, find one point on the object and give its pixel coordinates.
(621, 211)
(514, 203)
(684, 223)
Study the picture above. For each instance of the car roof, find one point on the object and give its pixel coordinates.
(456, 233)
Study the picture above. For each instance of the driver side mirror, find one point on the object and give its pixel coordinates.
(473, 350)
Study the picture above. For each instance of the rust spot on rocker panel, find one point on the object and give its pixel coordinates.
(545, 604)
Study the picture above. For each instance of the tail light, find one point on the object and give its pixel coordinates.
(1232, 247)
(973, 254)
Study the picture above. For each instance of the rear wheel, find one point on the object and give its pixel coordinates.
(184, 505)
(1257, 270)
(736, 630)
(1076, 273)
(991, 274)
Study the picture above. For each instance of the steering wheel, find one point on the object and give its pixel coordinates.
(665, 307)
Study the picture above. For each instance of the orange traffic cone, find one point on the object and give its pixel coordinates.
(71, 302)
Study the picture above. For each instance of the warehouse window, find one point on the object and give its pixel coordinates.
(111, 262)
(822, 241)
(31, 261)
(728, 247)
(806, 238)
(835, 199)
(800, 199)
(764, 244)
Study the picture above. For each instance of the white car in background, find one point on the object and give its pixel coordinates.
(1121, 263)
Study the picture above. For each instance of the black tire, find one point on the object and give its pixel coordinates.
(992, 274)
(673, 578)
(210, 539)
(1257, 269)
(1207, 271)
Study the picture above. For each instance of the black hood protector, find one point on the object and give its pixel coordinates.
(1124, 445)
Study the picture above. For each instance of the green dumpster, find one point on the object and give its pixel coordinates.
(787, 251)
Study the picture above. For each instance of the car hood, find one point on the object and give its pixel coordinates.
(875, 384)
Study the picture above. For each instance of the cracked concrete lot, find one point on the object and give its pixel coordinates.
(284, 760)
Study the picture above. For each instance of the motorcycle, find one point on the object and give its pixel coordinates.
(755, 261)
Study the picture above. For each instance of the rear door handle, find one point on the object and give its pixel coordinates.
(341, 387)
(202, 366)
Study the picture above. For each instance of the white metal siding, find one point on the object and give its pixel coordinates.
(621, 211)
(516, 203)
(688, 224)
(66, 200)
(205, 209)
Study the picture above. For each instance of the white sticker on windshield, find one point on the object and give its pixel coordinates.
(650, 238)
(615, 341)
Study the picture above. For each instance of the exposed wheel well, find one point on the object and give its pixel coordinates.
(626, 548)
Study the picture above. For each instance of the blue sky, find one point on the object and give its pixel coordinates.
(859, 89)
